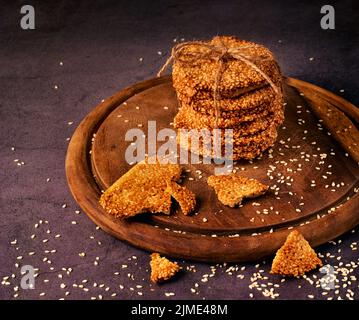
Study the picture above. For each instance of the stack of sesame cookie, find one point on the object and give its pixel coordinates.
(245, 100)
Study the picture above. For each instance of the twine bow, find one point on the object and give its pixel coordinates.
(219, 53)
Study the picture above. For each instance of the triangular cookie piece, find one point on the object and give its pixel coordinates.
(161, 268)
(295, 257)
(185, 198)
(231, 188)
(141, 189)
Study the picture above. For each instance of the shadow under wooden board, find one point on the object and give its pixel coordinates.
(314, 183)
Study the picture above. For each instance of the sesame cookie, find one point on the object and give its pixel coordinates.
(141, 189)
(243, 148)
(161, 268)
(231, 188)
(295, 257)
(193, 77)
(203, 100)
(248, 123)
(185, 198)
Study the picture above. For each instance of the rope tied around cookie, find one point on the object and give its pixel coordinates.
(219, 53)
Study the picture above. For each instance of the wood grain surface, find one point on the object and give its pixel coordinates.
(312, 172)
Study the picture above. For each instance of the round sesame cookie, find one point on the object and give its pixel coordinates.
(204, 102)
(225, 136)
(240, 116)
(188, 119)
(190, 75)
(247, 151)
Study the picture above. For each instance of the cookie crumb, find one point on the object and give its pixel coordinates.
(161, 268)
(231, 189)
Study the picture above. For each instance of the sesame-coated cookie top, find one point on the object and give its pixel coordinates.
(141, 189)
(202, 74)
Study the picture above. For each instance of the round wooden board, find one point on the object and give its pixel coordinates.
(314, 184)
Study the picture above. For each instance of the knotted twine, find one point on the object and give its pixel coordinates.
(220, 54)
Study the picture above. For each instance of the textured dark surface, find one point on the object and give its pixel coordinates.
(100, 46)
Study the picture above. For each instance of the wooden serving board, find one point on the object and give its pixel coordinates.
(314, 183)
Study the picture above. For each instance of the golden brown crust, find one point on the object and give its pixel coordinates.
(295, 257)
(245, 149)
(141, 189)
(203, 100)
(185, 198)
(246, 102)
(210, 135)
(237, 74)
(232, 189)
(247, 123)
(238, 116)
(161, 268)
(236, 94)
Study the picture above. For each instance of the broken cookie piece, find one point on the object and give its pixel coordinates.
(141, 189)
(295, 257)
(161, 268)
(185, 198)
(231, 188)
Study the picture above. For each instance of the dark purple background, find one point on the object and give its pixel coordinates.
(100, 46)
